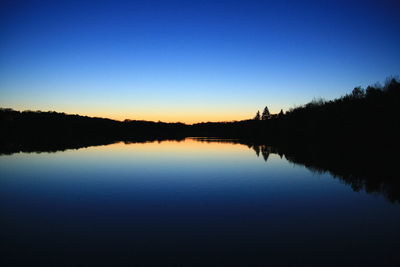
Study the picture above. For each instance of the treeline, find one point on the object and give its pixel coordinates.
(51, 131)
(363, 117)
(37, 123)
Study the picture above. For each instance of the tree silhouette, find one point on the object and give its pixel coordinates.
(265, 115)
(358, 92)
(257, 117)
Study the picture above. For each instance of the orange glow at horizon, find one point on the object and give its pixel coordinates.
(171, 117)
(184, 115)
(185, 145)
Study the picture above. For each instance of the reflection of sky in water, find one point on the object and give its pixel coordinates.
(178, 166)
(176, 187)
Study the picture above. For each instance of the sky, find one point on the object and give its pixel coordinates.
(191, 61)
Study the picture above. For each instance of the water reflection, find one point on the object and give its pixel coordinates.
(359, 168)
(204, 202)
(362, 168)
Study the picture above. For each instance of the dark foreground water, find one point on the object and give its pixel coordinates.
(186, 203)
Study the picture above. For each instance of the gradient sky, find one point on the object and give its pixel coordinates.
(191, 61)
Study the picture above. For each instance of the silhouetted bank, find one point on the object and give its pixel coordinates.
(364, 117)
(367, 117)
(30, 131)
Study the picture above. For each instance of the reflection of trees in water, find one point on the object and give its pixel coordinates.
(358, 168)
(265, 150)
(8, 147)
(265, 153)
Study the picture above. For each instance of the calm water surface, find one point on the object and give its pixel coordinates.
(186, 203)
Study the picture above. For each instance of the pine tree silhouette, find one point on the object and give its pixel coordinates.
(265, 115)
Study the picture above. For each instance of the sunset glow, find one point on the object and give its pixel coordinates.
(190, 61)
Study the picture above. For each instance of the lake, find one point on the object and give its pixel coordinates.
(183, 203)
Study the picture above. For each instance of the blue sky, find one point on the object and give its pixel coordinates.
(191, 61)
